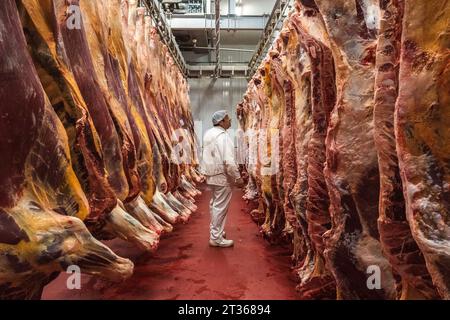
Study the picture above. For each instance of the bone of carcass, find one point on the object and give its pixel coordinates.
(41, 200)
(119, 223)
(186, 202)
(422, 133)
(167, 227)
(143, 214)
(179, 206)
(161, 207)
(187, 186)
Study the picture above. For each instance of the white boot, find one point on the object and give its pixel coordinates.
(223, 244)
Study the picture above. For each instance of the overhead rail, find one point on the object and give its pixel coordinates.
(227, 22)
(156, 12)
(274, 24)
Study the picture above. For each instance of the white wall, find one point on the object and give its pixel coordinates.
(225, 55)
(208, 95)
(257, 7)
(250, 7)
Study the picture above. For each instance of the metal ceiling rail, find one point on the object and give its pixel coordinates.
(227, 22)
(221, 49)
(156, 12)
(273, 24)
(226, 71)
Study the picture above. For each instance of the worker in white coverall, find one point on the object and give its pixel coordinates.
(221, 172)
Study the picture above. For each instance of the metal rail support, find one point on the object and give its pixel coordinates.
(274, 23)
(155, 10)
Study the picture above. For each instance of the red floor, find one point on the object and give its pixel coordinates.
(185, 267)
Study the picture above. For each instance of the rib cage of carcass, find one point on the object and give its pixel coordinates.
(356, 94)
(96, 140)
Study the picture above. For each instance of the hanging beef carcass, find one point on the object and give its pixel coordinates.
(281, 96)
(117, 55)
(41, 200)
(298, 67)
(111, 79)
(370, 143)
(352, 244)
(269, 161)
(308, 35)
(139, 82)
(407, 261)
(170, 116)
(64, 50)
(122, 37)
(422, 135)
(250, 121)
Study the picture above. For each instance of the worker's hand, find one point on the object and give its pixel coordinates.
(239, 183)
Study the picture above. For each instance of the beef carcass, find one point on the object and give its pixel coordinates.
(281, 97)
(313, 40)
(110, 80)
(62, 51)
(41, 201)
(423, 136)
(414, 281)
(268, 154)
(371, 147)
(299, 68)
(140, 81)
(352, 244)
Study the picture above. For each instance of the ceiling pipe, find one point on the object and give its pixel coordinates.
(217, 30)
(220, 49)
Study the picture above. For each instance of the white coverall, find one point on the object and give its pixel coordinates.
(218, 165)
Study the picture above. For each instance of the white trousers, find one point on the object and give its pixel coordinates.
(218, 207)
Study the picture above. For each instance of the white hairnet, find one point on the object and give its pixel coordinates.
(219, 116)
